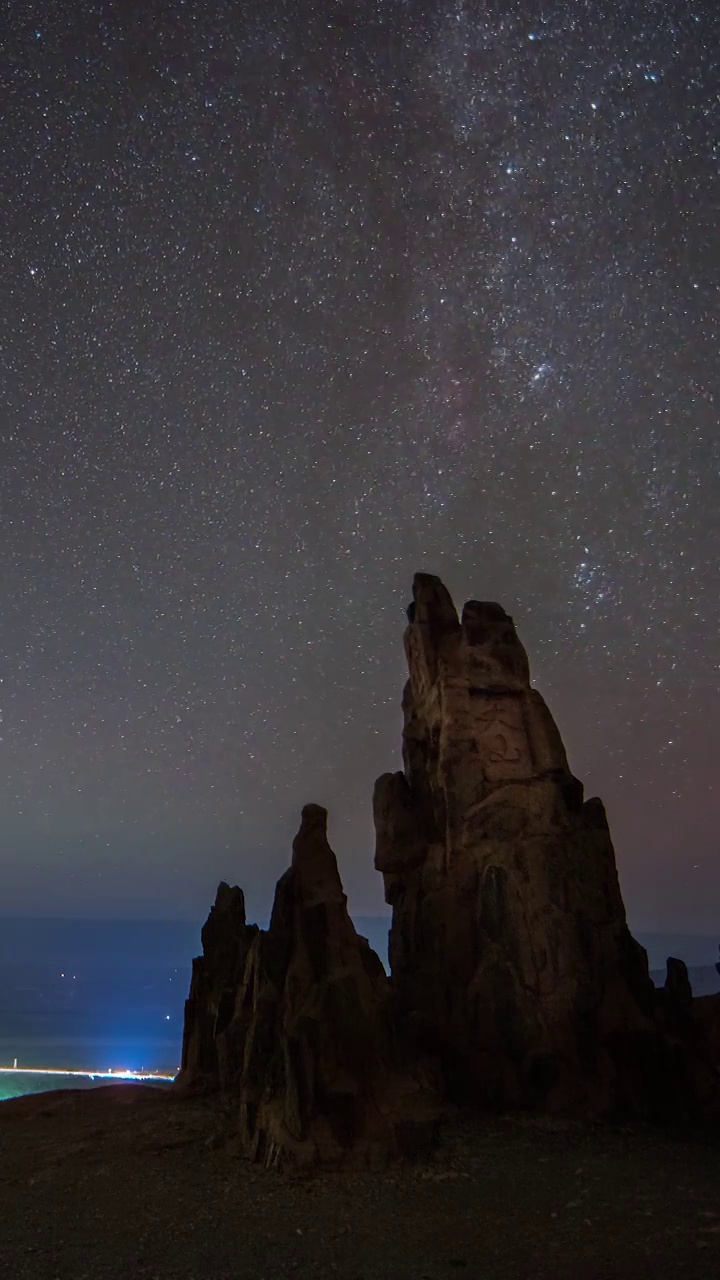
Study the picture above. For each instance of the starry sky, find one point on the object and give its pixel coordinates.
(299, 298)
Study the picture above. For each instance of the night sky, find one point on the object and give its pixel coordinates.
(298, 299)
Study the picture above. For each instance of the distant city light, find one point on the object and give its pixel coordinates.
(110, 1074)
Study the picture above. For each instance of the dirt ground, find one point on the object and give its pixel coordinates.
(125, 1181)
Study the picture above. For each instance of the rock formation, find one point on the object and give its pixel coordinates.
(677, 996)
(216, 975)
(702, 1046)
(509, 949)
(691, 1030)
(514, 978)
(305, 1045)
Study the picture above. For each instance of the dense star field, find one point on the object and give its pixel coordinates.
(298, 299)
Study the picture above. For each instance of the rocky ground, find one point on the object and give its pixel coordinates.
(125, 1181)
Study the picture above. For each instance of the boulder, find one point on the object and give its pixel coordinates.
(509, 949)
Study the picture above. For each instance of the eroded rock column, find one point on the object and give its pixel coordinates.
(509, 948)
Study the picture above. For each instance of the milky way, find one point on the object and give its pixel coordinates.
(298, 299)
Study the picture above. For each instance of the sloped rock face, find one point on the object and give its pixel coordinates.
(509, 949)
(293, 1024)
(216, 974)
(322, 1078)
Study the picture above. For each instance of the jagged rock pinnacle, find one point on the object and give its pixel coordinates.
(509, 946)
(515, 980)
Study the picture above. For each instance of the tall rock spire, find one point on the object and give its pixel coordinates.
(509, 947)
(294, 1023)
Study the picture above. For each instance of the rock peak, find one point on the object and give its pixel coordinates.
(508, 943)
(431, 603)
(294, 1021)
(515, 980)
(314, 865)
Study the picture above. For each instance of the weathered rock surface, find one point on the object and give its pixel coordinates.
(302, 1036)
(509, 948)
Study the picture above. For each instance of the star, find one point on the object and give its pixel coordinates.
(296, 302)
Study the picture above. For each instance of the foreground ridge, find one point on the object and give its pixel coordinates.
(514, 978)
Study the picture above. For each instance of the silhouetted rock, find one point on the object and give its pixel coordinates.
(509, 948)
(704, 1046)
(692, 1038)
(216, 975)
(677, 995)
